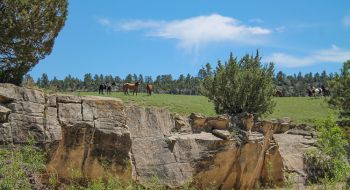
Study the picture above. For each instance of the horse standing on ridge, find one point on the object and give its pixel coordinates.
(149, 89)
(317, 91)
(131, 86)
(101, 88)
(109, 89)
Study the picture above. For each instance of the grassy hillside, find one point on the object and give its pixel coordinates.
(300, 109)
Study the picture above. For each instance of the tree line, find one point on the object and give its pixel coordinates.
(290, 85)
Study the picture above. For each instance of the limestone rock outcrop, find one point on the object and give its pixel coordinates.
(89, 133)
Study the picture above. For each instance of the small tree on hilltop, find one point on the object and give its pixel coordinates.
(28, 29)
(340, 86)
(241, 86)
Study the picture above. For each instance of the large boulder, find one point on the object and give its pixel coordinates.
(292, 148)
(221, 122)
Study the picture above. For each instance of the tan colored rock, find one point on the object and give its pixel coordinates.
(291, 148)
(149, 122)
(32, 95)
(197, 122)
(27, 108)
(220, 122)
(85, 149)
(69, 113)
(248, 122)
(224, 134)
(5, 133)
(51, 100)
(103, 108)
(63, 98)
(10, 93)
(52, 125)
(182, 124)
(23, 127)
(284, 120)
(4, 112)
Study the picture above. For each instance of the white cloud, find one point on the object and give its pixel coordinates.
(332, 55)
(104, 22)
(346, 20)
(192, 33)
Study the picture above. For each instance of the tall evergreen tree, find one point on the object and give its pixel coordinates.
(88, 82)
(340, 96)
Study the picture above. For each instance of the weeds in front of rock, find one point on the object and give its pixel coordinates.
(19, 164)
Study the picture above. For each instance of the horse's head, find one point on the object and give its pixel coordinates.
(137, 83)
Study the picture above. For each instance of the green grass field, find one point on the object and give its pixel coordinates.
(299, 109)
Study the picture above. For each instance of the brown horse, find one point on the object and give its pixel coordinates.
(149, 89)
(127, 86)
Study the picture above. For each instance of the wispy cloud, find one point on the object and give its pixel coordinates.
(194, 32)
(105, 22)
(346, 20)
(332, 55)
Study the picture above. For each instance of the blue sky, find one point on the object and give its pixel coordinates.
(178, 37)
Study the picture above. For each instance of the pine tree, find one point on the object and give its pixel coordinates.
(44, 81)
(340, 95)
(27, 33)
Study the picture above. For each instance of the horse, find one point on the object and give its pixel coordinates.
(317, 91)
(127, 86)
(101, 88)
(314, 91)
(149, 89)
(279, 93)
(109, 89)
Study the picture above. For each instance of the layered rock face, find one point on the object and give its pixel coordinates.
(92, 134)
(79, 133)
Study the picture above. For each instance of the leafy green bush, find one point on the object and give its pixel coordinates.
(329, 162)
(241, 86)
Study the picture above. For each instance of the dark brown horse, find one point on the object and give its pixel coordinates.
(149, 89)
(101, 88)
(109, 89)
(131, 86)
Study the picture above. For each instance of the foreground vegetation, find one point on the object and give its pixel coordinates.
(299, 109)
(328, 165)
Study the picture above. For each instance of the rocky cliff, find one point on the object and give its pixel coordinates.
(88, 133)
